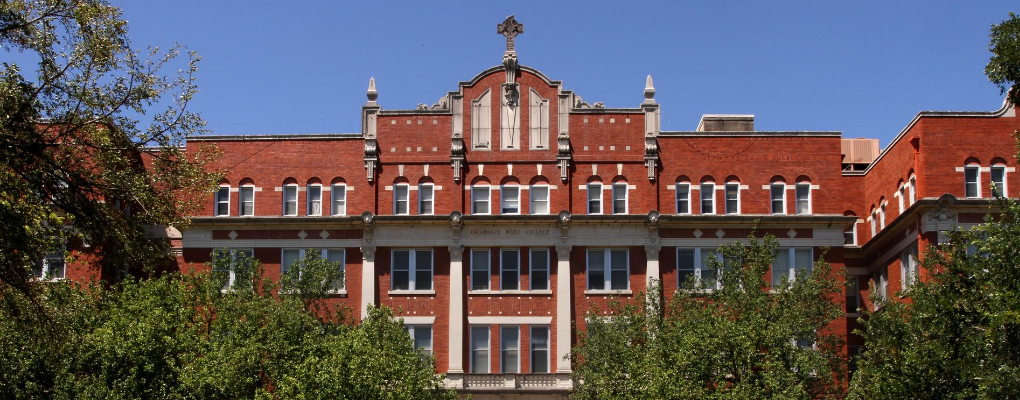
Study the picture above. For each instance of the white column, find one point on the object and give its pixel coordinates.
(456, 344)
(564, 281)
(652, 269)
(367, 279)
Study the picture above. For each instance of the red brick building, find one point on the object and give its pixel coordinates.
(495, 218)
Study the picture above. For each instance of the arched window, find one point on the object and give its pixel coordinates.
(338, 197)
(510, 196)
(246, 198)
(683, 195)
(290, 197)
(594, 195)
(972, 178)
(481, 192)
(401, 197)
(998, 172)
(314, 197)
(803, 195)
(732, 195)
(539, 193)
(620, 201)
(707, 192)
(222, 203)
(426, 196)
(777, 195)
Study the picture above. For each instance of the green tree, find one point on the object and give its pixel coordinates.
(75, 150)
(1003, 67)
(743, 340)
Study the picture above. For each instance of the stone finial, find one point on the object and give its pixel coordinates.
(649, 90)
(372, 93)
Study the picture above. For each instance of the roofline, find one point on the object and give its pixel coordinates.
(295, 136)
(837, 134)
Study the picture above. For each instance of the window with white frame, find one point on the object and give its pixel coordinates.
(510, 349)
(290, 257)
(683, 198)
(314, 199)
(972, 179)
(247, 199)
(620, 198)
(480, 199)
(732, 194)
(426, 199)
(595, 198)
(338, 196)
(225, 264)
(881, 216)
(778, 197)
(223, 201)
(908, 266)
(52, 265)
(608, 269)
(412, 269)
(509, 269)
(480, 349)
(873, 221)
(913, 189)
(708, 198)
(338, 256)
(998, 173)
(881, 283)
(850, 236)
(480, 269)
(540, 199)
(902, 197)
(539, 349)
(853, 295)
(790, 264)
(539, 274)
(510, 199)
(803, 198)
(696, 264)
(401, 194)
(421, 336)
(290, 195)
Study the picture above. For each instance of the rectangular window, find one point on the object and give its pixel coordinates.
(908, 267)
(881, 282)
(874, 218)
(781, 268)
(480, 269)
(972, 176)
(620, 198)
(339, 197)
(425, 199)
(789, 264)
(539, 349)
(708, 198)
(421, 336)
(901, 196)
(223, 201)
(539, 275)
(289, 258)
(411, 269)
(290, 200)
(538, 117)
(540, 199)
(683, 198)
(881, 217)
(850, 236)
(733, 198)
(480, 350)
(480, 200)
(853, 295)
(510, 200)
(481, 117)
(247, 199)
(694, 266)
(314, 199)
(594, 198)
(913, 189)
(687, 267)
(509, 349)
(778, 196)
(509, 269)
(226, 262)
(608, 269)
(400, 199)
(803, 198)
(999, 179)
(52, 265)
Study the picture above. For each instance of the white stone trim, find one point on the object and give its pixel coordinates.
(416, 320)
(509, 320)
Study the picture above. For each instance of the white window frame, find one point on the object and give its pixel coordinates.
(977, 184)
(676, 197)
(475, 191)
(607, 269)
(324, 254)
(414, 330)
(881, 215)
(913, 189)
(544, 253)
(707, 192)
(412, 269)
(909, 272)
(504, 203)
(232, 268)
(503, 270)
(309, 202)
(397, 200)
(338, 199)
(902, 194)
(781, 187)
(797, 199)
(218, 201)
(991, 177)
(532, 348)
(874, 221)
(48, 262)
(700, 260)
(423, 188)
(726, 200)
(535, 189)
(881, 280)
(791, 264)
(472, 333)
(594, 188)
(290, 187)
(853, 232)
(241, 202)
(626, 201)
(474, 269)
(504, 349)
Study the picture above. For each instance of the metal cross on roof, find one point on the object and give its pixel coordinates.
(510, 28)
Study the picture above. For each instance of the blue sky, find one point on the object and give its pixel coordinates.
(863, 68)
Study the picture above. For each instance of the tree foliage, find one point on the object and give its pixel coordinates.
(1003, 67)
(184, 337)
(736, 342)
(74, 151)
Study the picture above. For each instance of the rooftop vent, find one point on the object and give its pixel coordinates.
(858, 153)
(726, 123)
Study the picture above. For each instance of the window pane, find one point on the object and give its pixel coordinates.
(777, 198)
(339, 194)
(539, 349)
(247, 200)
(508, 279)
(803, 199)
(998, 178)
(682, 198)
(971, 177)
(707, 198)
(781, 268)
(423, 338)
(479, 270)
(732, 192)
(802, 257)
(423, 270)
(479, 349)
(223, 201)
(314, 200)
(400, 199)
(337, 256)
(509, 343)
(511, 200)
(539, 270)
(290, 200)
(401, 270)
(539, 199)
(596, 269)
(708, 272)
(425, 199)
(618, 259)
(620, 198)
(290, 256)
(594, 198)
(685, 265)
(480, 200)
